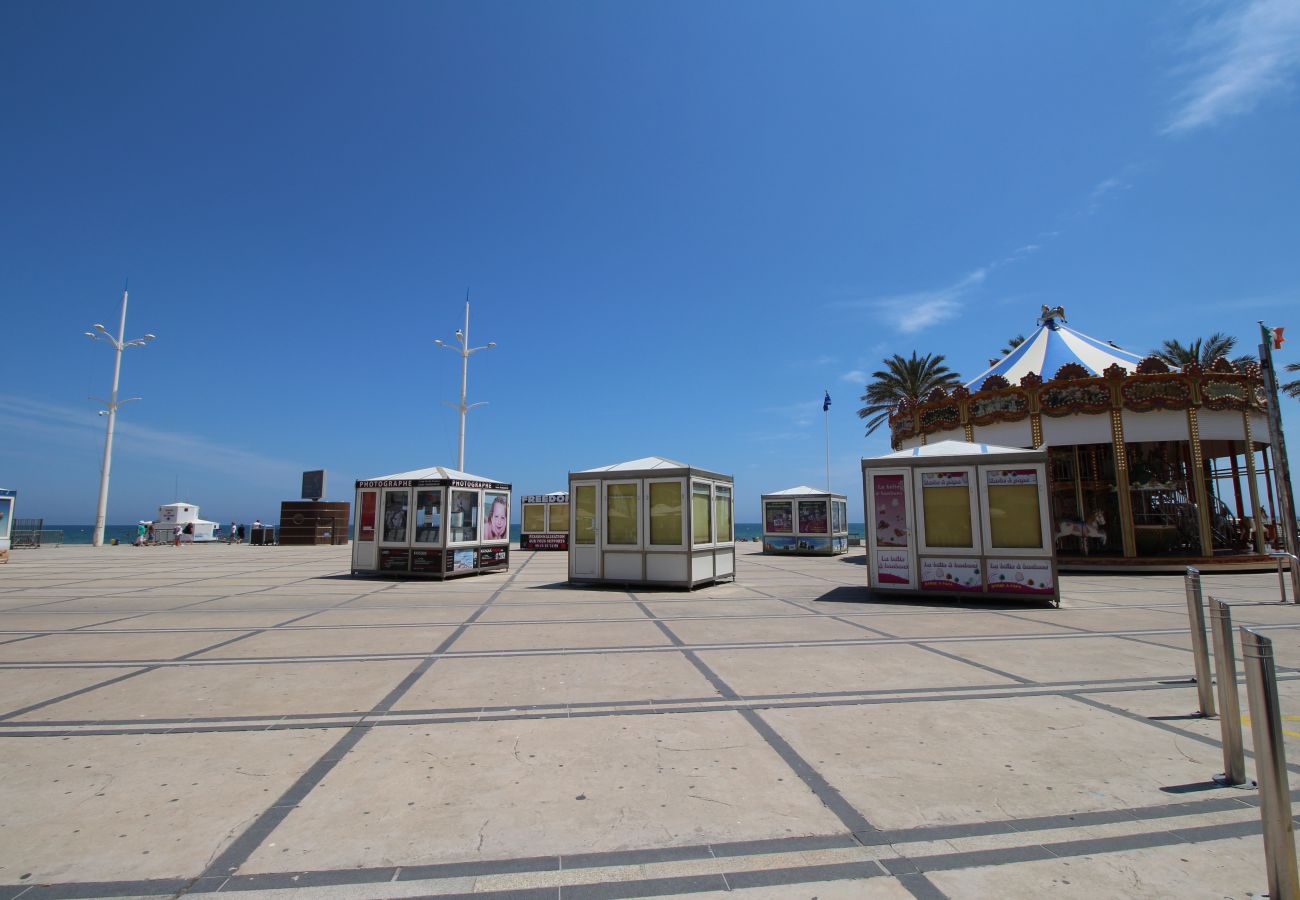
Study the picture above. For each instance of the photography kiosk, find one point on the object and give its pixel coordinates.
(803, 521)
(960, 519)
(544, 521)
(431, 523)
(651, 521)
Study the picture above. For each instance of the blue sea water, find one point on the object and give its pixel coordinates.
(125, 534)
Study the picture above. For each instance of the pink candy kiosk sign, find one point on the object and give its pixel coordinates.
(960, 519)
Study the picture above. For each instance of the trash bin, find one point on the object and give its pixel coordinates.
(263, 536)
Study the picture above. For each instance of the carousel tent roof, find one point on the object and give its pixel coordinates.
(429, 474)
(952, 448)
(1053, 345)
(800, 491)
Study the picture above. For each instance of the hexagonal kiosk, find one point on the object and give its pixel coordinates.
(805, 521)
(431, 523)
(651, 521)
(960, 519)
(544, 521)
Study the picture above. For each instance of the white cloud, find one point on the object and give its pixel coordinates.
(1239, 58)
(916, 311)
(68, 426)
(857, 376)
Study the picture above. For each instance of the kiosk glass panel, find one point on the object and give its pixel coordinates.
(812, 516)
(534, 518)
(945, 501)
(621, 514)
(1014, 516)
(463, 516)
(496, 517)
(666, 513)
(395, 509)
(722, 512)
(584, 525)
(558, 518)
(702, 527)
(366, 521)
(428, 516)
(778, 517)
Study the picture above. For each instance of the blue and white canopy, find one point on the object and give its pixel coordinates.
(1053, 345)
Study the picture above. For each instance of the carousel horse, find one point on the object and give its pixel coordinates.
(1092, 527)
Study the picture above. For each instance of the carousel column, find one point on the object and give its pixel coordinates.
(1252, 485)
(1198, 483)
(1121, 482)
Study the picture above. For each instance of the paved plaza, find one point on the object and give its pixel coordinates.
(251, 719)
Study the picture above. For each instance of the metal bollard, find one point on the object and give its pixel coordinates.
(1225, 677)
(1270, 765)
(1281, 580)
(1200, 648)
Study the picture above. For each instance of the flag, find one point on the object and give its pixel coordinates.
(826, 404)
(1278, 339)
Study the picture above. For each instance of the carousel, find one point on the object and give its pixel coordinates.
(1148, 467)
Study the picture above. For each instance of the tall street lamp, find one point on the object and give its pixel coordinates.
(462, 347)
(111, 404)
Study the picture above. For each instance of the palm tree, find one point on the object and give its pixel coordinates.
(1202, 351)
(903, 379)
(1012, 344)
(1292, 388)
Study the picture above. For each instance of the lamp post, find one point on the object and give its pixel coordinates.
(111, 404)
(462, 347)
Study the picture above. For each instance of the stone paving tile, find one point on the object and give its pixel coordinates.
(84, 647)
(518, 637)
(18, 690)
(1073, 658)
(333, 642)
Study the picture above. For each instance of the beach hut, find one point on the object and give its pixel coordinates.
(805, 521)
(1149, 468)
(431, 523)
(957, 518)
(651, 521)
(173, 517)
(544, 521)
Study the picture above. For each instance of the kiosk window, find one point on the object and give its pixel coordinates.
(428, 516)
(584, 525)
(1014, 520)
(558, 518)
(778, 517)
(812, 516)
(534, 518)
(395, 505)
(366, 522)
(702, 525)
(666, 513)
(945, 498)
(463, 516)
(620, 513)
(722, 513)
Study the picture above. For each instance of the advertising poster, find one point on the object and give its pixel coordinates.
(543, 541)
(840, 544)
(492, 556)
(426, 560)
(814, 543)
(778, 544)
(893, 567)
(1032, 577)
(496, 517)
(393, 559)
(951, 575)
(889, 505)
(460, 560)
(778, 517)
(812, 516)
(366, 522)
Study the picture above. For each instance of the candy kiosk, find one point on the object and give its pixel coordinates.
(959, 519)
(544, 521)
(651, 521)
(804, 521)
(431, 523)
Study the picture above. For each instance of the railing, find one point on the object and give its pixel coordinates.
(33, 539)
(1281, 581)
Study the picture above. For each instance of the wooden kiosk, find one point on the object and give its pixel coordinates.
(960, 519)
(803, 521)
(651, 521)
(431, 523)
(544, 521)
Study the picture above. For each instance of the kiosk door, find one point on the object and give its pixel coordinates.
(584, 551)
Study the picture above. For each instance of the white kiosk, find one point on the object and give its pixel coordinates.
(805, 521)
(651, 521)
(7, 499)
(173, 517)
(544, 521)
(431, 523)
(960, 519)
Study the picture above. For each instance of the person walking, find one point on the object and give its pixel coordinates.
(233, 535)
(176, 535)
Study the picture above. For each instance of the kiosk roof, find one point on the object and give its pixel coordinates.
(954, 448)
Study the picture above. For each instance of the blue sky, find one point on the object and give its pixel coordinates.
(680, 222)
